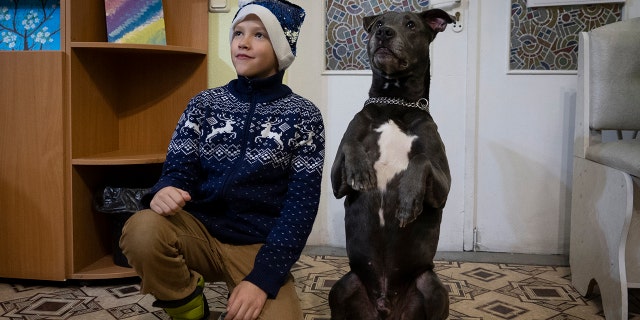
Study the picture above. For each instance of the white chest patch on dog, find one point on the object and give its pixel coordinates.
(394, 146)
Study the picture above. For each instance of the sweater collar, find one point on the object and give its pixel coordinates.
(260, 90)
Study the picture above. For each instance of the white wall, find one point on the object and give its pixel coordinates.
(523, 146)
(305, 77)
(524, 139)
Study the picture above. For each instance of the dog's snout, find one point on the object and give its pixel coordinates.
(385, 33)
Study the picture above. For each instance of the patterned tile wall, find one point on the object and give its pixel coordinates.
(541, 38)
(345, 43)
(546, 38)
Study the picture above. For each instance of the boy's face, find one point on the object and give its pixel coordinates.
(251, 50)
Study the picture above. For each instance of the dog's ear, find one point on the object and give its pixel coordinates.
(368, 22)
(437, 19)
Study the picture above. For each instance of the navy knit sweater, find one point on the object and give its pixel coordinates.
(251, 154)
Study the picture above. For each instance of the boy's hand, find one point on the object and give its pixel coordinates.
(246, 302)
(169, 200)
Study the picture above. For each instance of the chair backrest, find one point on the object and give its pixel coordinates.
(608, 92)
(615, 76)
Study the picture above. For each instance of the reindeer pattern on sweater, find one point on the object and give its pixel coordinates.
(251, 155)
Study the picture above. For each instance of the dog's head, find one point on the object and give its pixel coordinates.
(399, 41)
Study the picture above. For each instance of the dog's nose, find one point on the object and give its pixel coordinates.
(385, 33)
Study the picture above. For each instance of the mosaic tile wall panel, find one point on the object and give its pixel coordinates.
(546, 38)
(543, 38)
(345, 43)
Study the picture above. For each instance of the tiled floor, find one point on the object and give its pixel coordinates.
(478, 290)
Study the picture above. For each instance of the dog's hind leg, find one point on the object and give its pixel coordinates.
(348, 300)
(436, 298)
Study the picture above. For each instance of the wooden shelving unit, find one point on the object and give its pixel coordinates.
(110, 112)
(32, 165)
(123, 47)
(124, 103)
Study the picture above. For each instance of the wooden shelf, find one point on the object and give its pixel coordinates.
(119, 158)
(124, 101)
(108, 113)
(104, 268)
(143, 48)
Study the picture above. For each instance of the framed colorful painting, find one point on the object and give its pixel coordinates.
(29, 25)
(135, 21)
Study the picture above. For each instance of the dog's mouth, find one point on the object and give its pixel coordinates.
(388, 61)
(384, 51)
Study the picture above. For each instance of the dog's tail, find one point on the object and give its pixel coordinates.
(383, 306)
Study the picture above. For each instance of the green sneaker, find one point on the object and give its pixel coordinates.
(193, 307)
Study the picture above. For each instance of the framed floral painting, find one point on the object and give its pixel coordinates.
(29, 25)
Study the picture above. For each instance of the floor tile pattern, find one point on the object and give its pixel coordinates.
(476, 291)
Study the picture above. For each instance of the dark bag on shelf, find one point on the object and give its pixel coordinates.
(119, 204)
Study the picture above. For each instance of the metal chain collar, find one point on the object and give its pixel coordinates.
(422, 103)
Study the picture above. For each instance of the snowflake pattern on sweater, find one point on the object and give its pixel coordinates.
(251, 155)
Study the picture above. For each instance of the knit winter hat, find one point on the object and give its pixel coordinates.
(281, 18)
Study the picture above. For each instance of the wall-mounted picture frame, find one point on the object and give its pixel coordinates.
(27, 25)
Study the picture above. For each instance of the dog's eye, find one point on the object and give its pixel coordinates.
(379, 24)
(411, 24)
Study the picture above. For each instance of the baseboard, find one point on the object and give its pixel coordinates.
(464, 256)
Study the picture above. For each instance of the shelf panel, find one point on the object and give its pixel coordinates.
(104, 268)
(130, 47)
(119, 158)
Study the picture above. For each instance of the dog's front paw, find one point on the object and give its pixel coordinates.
(360, 176)
(408, 211)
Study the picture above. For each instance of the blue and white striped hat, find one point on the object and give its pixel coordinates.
(281, 18)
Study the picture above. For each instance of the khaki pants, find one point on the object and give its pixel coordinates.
(171, 253)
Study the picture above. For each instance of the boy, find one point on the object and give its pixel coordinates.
(240, 185)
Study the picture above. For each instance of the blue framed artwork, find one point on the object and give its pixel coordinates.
(29, 25)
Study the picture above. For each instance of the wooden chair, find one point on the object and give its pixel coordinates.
(605, 222)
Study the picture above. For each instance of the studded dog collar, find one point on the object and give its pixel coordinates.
(422, 103)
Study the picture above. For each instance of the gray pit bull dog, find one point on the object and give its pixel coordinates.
(392, 167)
